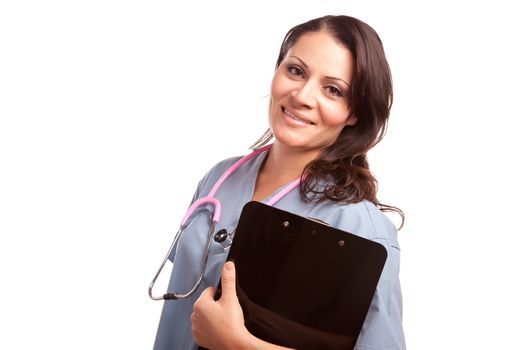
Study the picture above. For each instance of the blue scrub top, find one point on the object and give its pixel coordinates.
(382, 329)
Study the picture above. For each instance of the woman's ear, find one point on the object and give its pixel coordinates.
(352, 120)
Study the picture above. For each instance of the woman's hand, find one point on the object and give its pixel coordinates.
(219, 324)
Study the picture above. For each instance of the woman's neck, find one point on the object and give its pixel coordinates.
(286, 162)
(282, 165)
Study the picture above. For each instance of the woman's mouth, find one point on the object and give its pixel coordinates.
(294, 119)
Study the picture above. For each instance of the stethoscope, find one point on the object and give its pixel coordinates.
(221, 235)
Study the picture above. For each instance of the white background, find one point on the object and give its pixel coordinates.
(111, 111)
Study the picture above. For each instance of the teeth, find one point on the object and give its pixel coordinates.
(288, 113)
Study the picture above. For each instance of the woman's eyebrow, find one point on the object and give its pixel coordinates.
(341, 80)
(304, 64)
(327, 77)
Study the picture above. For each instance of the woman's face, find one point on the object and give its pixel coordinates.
(310, 93)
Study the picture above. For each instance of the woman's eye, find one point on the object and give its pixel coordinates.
(296, 71)
(334, 91)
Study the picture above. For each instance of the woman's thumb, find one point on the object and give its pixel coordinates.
(228, 281)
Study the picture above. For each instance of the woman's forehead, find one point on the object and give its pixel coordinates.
(320, 50)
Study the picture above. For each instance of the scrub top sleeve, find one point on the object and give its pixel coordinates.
(383, 329)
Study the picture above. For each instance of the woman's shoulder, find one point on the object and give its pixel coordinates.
(363, 219)
(215, 172)
(221, 167)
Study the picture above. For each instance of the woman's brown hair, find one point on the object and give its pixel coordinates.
(341, 172)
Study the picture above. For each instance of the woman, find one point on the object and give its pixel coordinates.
(330, 101)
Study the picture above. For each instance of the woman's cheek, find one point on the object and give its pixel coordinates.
(335, 115)
(277, 86)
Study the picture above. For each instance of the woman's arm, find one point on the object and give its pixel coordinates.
(219, 324)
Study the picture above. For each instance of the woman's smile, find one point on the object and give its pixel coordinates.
(294, 119)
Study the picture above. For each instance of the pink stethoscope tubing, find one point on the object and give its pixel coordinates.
(210, 199)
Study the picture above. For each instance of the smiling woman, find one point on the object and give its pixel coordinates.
(309, 104)
(330, 101)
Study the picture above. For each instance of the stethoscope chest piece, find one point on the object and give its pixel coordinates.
(220, 236)
(224, 238)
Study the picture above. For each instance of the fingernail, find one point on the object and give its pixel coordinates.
(228, 266)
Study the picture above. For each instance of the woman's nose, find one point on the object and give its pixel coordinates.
(304, 94)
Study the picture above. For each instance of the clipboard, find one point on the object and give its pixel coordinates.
(301, 283)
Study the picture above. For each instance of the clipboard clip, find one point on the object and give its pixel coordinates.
(318, 220)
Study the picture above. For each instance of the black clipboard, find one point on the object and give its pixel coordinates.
(301, 283)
